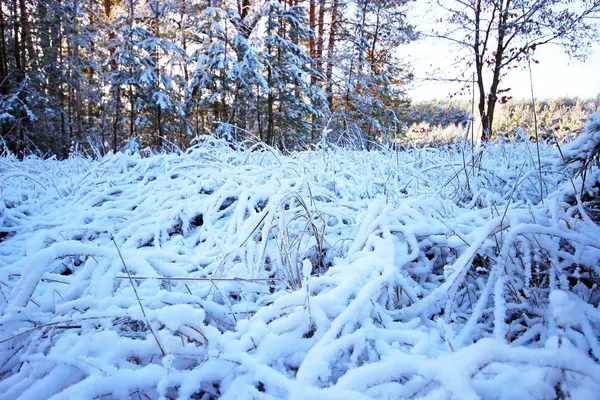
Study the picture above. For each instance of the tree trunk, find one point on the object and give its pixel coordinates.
(316, 54)
(156, 57)
(16, 46)
(116, 87)
(479, 71)
(90, 81)
(320, 38)
(311, 41)
(270, 119)
(131, 112)
(4, 88)
(59, 89)
(259, 121)
(116, 122)
(21, 61)
(499, 55)
(4, 83)
(24, 33)
(330, 51)
(69, 95)
(76, 75)
(130, 11)
(184, 45)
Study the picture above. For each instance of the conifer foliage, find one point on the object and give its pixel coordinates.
(97, 74)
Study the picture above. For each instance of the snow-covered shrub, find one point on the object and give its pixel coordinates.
(584, 152)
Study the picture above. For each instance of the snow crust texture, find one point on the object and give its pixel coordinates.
(331, 274)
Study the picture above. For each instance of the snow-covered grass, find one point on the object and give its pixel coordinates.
(427, 134)
(242, 274)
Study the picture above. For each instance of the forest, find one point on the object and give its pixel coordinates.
(98, 74)
(101, 72)
(238, 199)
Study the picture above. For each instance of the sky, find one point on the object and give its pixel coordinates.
(556, 75)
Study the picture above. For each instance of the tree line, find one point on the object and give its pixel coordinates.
(97, 73)
(558, 119)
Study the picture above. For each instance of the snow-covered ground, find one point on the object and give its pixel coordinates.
(331, 274)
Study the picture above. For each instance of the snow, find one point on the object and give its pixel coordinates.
(322, 274)
(564, 310)
(579, 153)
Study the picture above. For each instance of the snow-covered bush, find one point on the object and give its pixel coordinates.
(584, 152)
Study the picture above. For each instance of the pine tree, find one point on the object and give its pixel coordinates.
(369, 96)
(211, 82)
(294, 98)
(99, 73)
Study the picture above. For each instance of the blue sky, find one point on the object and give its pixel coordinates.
(556, 75)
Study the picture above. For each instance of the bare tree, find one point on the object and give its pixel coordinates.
(499, 34)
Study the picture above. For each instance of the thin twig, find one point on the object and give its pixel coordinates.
(138, 297)
(182, 278)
